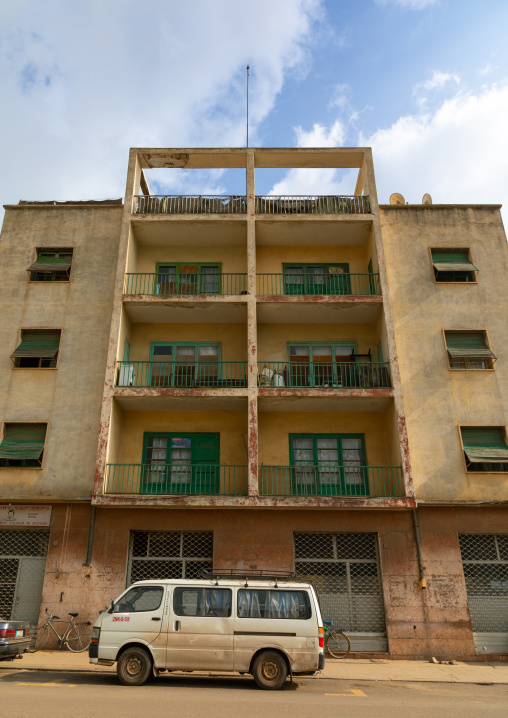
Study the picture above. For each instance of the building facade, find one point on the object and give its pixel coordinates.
(311, 384)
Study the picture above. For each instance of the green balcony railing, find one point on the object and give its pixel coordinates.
(187, 284)
(313, 204)
(182, 375)
(331, 480)
(318, 284)
(332, 375)
(176, 479)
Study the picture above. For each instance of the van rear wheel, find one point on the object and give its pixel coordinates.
(134, 667)
(270, 670)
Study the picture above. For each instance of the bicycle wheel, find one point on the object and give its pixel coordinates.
(41, 638)
(338, 644)
(78, 638)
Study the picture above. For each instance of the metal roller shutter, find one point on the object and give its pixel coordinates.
(345, 570)
(169, 554)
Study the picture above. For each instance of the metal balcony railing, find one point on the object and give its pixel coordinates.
(318, 284)
(329, 375)
(182, 374)
(313, 204)
(176, 479)
(331, 480)
(237, 204)
(185, 285)
(190, 204)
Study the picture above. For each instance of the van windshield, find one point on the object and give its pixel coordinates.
(262, 603)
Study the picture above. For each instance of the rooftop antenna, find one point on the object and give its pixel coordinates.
(248, 68)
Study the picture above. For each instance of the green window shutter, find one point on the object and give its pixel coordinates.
(38, 344)
(467, 344)
(50, 264)
(484, 444)
(205, 449)
(23, 441)
(457, 261)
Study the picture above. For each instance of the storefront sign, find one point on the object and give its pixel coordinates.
(15, 515)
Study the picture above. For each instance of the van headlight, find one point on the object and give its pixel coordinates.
(96, 632)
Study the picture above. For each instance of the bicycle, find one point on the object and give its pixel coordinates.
(76, 636)
(337, 643)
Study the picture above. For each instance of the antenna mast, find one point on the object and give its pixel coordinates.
(248, 68)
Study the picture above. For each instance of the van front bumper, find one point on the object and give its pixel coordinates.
(321, 663)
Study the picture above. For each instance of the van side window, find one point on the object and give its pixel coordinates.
(202, 602)
(259, 603)
(141, 598)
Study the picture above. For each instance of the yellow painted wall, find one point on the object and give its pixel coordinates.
(232, 258)
(273, 338)
(70, 398)
(230, 424)
(233, 338)
(270, 260)
(436, 399)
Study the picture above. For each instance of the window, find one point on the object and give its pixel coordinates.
(188, 278)
(22, 445)
(468, 350)
(181, 463)
(51, 265)
(317, 279)
(139, 599)
(38, 349)
(453, 265)
(328, 464)
(261, 603)
(185, 365)
(332, 365)
(213, 602)
(485, 448)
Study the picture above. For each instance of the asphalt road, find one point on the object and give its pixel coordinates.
(37, 694)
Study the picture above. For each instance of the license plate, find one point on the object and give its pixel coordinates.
(20, 634)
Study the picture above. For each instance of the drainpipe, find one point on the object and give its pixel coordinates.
(423, 582)
(91, 530)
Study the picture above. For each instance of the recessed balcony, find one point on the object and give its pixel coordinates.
(174, 285)
(324, 375)
(182, 375)
(299, 283)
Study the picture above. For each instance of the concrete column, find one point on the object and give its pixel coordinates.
(252, 328)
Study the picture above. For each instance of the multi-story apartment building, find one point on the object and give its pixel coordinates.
(260, 383)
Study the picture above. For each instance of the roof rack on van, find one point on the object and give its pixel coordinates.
(253, 574)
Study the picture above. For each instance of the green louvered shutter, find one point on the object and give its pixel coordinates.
(206, 460)
(23, 441)
(467, 344)
(34, 343)
(484, 444)
(51, 264)
(453, 261)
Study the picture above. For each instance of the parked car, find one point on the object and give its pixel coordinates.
(269, 628)
(14, 639)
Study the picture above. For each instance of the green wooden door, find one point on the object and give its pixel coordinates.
(184, 463)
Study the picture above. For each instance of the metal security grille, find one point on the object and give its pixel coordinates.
(22, 565)
(345, 571)
(169, 554)
(485, 563)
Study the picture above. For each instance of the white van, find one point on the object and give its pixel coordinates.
(269, 628)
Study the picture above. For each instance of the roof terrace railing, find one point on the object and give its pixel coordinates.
(237, 204)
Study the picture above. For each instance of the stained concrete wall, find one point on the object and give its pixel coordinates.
(433, 622)
(67, 398)
(437, 399)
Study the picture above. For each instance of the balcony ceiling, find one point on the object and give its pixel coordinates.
(319, 312)
(151, 401)
(175, 231)
(311, 230)
(332, 403)
(154, 310)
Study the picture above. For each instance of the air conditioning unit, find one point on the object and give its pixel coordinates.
(127, 375)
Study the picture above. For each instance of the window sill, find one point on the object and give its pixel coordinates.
(452, 369)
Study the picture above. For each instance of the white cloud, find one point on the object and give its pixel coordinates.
(83, 82)
(436, 82)
(456, 153)
(340, 97)
(410, 4)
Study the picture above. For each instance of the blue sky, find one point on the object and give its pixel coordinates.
(424, 82)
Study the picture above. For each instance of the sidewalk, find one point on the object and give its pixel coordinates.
(349, 669)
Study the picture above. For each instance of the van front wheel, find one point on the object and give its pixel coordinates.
(134, 667)
(270, 670)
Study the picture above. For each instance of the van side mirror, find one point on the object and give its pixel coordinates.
(112, 607)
